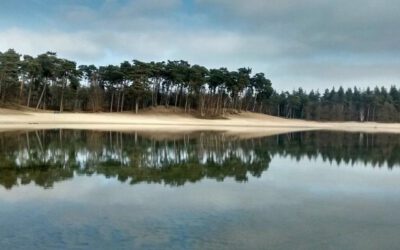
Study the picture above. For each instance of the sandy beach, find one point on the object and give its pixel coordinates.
(169, 121)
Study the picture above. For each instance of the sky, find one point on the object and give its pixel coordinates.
(313, 44)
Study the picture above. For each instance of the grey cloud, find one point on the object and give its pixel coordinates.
(77, 45)
(359, 26)
(204, 47)
(138, 15)
(305, 43)
(312, 43)
(322, 75)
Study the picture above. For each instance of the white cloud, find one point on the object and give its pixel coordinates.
(75, 45)
(214, 49)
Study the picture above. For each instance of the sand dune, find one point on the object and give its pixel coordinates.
(170, 121)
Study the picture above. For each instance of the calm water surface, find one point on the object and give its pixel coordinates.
(62, 189)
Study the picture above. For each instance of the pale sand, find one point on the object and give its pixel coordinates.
(245, 123)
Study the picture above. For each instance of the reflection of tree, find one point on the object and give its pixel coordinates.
(350, 148)
(46, 157)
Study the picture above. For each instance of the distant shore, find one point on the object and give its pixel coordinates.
(170, 121)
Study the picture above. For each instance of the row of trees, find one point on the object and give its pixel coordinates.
(50, 82)
(379, 104)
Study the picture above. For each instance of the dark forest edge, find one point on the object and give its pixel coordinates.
(53, 83)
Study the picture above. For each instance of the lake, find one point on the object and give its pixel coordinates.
(72, 189)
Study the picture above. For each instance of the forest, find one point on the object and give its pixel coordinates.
(52, 83)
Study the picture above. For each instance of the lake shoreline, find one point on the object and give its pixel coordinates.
(170, 121)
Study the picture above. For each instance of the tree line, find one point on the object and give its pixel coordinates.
(49, 82)
(352, 104)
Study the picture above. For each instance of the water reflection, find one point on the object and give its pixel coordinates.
(47, 157)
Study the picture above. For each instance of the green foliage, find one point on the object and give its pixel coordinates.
(9, 75)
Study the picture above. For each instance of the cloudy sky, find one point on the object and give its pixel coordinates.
(296, 43)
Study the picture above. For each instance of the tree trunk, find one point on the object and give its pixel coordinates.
(217, 105)
(177, 95)
(279, 110)
(77, 101)
(21, 88)
(122, 101)
(1, 85)
(118, 100)
(362, 115)
(137, 106)
(201, 104)
(254, 104)
(373, 114)
(202, 107)
(167, 99)
(186, 101)
(93, 104)
(41, 96)
(29, 94)
(156, 93)
(112, 102)
(62, 97)
(153, 95)
(3, 95)
(224, 106)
